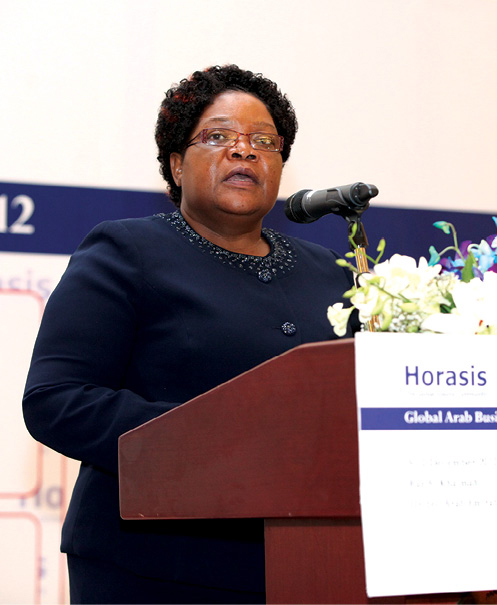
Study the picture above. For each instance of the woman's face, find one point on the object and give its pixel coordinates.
(224, 182)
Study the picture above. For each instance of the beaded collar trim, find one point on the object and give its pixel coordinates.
(280, 260)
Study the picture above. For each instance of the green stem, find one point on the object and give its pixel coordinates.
(372, 260)
(455, 247)
(399, 296)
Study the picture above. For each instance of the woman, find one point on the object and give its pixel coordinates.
(152, 312)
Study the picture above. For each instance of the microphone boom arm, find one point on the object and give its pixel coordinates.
(358, 242)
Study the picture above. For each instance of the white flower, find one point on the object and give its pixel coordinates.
(338, 318)
(449, 323)
(367, 298)
(475, 310)
(404, 277)
(401, 293)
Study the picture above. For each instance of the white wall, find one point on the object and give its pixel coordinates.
(401, 93)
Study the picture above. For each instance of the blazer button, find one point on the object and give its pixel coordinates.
(288, 328)
(264, 276)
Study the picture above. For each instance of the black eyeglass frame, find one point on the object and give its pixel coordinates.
(232, 142)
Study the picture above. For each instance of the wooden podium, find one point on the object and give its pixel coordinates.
(278, 442)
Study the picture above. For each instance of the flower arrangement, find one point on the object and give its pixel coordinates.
(448, 295)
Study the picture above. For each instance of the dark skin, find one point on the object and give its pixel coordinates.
(227, 191)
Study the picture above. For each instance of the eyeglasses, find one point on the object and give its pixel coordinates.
(225, 137)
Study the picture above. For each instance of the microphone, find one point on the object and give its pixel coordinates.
(306, 206)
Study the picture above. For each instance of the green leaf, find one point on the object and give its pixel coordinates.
(450, 298)
(467, 273)
(386, 320)
(378, 308)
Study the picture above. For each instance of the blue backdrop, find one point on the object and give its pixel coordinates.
(54, 219)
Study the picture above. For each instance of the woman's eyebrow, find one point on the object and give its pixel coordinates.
(228, 120)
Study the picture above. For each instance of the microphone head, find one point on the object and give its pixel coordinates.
(294, 210)
(359, 195)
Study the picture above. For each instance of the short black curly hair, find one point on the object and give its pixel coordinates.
(184, 104)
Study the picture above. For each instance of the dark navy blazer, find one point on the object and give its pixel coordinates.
(147, 316)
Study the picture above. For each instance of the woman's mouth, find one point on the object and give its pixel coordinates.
(241, 175)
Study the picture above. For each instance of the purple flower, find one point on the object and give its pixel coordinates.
(470, 260)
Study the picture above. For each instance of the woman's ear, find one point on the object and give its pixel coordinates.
(176, 163)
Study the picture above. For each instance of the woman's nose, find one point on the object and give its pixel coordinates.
(243, 149)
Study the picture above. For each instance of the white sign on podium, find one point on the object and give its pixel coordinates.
(427, 407)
